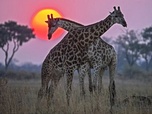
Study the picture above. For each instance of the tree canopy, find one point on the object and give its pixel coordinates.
(129, 46)
(15, 34)
(146, 46)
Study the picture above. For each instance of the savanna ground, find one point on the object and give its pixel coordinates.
(19, 97)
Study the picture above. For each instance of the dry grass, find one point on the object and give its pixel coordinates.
(19, 97)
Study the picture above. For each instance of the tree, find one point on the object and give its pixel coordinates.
(146, 46)
(12, 33)
(129, 43)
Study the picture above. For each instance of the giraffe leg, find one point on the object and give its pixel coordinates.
(95, 76)
(100, 85)
(82, 72)
(112, 90)
(52, 89)
(45, 78)
(43, 91)
(85, 70)
(90, 80)
(50, 93)
(69, 74)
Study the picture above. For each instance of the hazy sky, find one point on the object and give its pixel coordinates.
(138, 14)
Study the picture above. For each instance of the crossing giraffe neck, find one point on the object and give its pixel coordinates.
(68, 24)
(88, 34)
(99, 28)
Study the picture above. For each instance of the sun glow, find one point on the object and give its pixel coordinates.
(39, 25)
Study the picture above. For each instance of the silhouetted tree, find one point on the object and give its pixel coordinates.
(146, 46)
(129, 44)
(14, 34)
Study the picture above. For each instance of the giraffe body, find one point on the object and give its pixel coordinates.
(83, 69)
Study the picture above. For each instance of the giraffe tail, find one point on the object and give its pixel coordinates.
(113, 94)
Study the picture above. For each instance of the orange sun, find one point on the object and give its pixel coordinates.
(39, 25)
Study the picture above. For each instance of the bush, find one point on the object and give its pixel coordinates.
(136, 72)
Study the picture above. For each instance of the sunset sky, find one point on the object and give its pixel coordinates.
(138, 14)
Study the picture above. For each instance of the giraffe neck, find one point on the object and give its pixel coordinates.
(96, 29)
(68, 24)
(89, 34)
(101, 27)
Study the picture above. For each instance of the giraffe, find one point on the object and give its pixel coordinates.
(71, 52)
(100, 53)
(68, 25)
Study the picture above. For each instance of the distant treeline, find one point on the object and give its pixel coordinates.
(23, 72)
(30, 71)
(29, 67)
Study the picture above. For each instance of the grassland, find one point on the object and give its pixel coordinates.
(19, 97)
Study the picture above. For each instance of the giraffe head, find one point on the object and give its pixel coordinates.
(52, 25)
(118, 17)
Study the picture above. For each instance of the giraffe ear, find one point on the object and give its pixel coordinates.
(110, 12)
(47, 21)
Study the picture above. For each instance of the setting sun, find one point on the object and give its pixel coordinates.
(39, 25)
